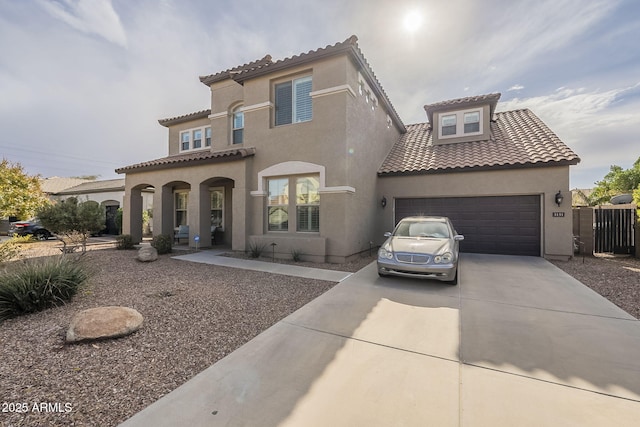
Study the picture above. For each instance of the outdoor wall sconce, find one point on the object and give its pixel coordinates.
(383, 202)
(559, 198)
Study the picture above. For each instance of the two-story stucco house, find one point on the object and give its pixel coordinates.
(308, 153)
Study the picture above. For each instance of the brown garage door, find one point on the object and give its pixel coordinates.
(507, 225)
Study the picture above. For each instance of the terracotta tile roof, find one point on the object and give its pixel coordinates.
(233, 73)
(185, 118)
(189, 159)
(266, 65)
(460, 103)
(518, 139)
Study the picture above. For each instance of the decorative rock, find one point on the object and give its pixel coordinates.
(147, 254)
(104, 322)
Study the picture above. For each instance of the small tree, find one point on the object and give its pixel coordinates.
(70, 219)
(20, 194)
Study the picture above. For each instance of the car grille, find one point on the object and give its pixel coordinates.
(410, 258)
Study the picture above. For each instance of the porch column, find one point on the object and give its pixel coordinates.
(241, 216)
(132, 214)
(203, 224)
(163, 211)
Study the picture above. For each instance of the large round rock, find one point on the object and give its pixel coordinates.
(147, 254)
(104, 322)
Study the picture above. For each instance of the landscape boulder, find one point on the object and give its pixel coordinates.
(104, 322)
(147, 254)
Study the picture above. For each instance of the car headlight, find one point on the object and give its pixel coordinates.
(444, 258)
(385, 253)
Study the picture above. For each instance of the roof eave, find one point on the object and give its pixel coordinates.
(179, 162)
(568, 162)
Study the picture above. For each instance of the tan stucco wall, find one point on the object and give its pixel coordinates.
(545, 181)
(346, 137)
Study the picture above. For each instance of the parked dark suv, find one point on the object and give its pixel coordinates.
(33, 227)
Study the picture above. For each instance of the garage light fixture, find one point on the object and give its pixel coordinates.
(383, 202)
(559, 198)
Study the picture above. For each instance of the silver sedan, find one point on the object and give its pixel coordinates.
(421, 246)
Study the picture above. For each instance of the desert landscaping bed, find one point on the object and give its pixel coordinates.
(195, 314)
(616, 278)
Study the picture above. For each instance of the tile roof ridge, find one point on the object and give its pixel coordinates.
(231, 72)
(185, 117)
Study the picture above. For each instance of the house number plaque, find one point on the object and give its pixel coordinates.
(558, 214)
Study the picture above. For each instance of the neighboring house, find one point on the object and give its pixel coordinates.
(53, 185)
(308, 153)
(109, 194)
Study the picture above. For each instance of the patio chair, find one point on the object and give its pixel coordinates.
(181, 233)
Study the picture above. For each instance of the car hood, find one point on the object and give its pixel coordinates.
(421, 245)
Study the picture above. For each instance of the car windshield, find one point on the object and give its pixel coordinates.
(438, 230)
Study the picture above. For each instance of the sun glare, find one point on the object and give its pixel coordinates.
(412, 21)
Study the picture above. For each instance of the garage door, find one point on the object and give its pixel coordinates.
(507, 225)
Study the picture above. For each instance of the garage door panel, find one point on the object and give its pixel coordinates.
(497, 224)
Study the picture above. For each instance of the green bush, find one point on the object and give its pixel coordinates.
(8, 250)
(162, 243)
(38, 285)
(124, 241)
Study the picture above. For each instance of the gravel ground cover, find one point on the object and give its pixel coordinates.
(614, 277)
(195, 314)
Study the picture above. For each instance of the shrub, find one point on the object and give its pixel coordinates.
(124, 241)
(162, 243)
(9, 250)
(35, 286)
(296, 255)
(23, 239)
(256, 249)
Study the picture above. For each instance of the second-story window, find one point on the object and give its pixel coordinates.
(192, 139)
(185, 141)
(197, 138)
(472, 122)
(293, 101)
(460, 123)
(207, 137)
(449, 124)
(238, 126)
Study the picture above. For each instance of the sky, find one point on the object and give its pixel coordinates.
(84, 82)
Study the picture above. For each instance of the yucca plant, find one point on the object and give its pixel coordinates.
(256, 249)
(38, 285)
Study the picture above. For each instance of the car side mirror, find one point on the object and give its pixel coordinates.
(458, 237)
(387, 234)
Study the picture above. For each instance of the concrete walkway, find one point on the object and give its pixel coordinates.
(517, 343)
(212, 257)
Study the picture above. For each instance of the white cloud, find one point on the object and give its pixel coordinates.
(599, 125)
(89, 16)
(515, 87)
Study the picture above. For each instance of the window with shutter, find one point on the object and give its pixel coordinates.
(284, 103)
(293, 101)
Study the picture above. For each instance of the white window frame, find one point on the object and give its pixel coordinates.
(191, 139)
(460, 123)
(295, 82)
(278, 204)
(237, 112)
(221, 189)
(178, 194)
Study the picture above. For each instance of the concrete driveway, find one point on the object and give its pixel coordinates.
(517, 343)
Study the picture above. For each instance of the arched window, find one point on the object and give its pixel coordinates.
(237, 126)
